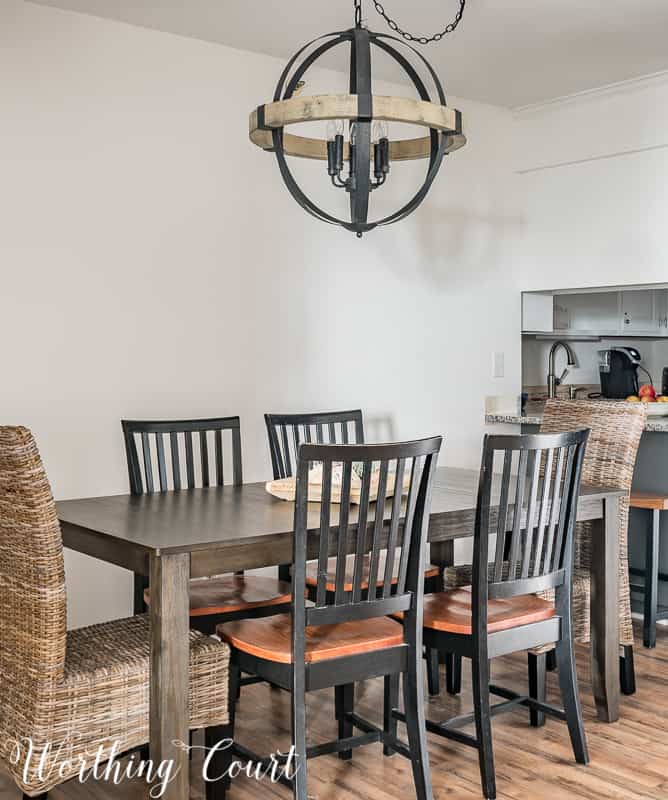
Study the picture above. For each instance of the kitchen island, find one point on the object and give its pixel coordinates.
(651, 475)
(534, 417)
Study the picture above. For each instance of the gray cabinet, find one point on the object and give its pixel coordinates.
(643, 312)
(614, 311)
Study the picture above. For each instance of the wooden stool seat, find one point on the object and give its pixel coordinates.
(451, 611)
(231, 593)
(312, 572)
(652, 502)
(270, 638)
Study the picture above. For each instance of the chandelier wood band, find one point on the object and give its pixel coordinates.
(346, 106)
(308, 147)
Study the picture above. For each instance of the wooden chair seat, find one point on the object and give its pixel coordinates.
(270, 638)
(227, 594)
(653, 502)
(312, 572)
(451, 611)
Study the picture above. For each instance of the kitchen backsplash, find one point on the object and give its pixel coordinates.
(535, 354)
(539, 391)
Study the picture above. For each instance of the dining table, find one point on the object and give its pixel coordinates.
(171, 537)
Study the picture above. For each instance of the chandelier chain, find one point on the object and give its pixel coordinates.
(409, 37)
(358, 13)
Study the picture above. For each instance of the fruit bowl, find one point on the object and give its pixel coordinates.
(656, 409)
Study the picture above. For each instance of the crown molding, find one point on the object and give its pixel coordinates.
(631, 84)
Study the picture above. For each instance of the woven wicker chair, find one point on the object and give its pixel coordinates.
(80, 690)
(609, 460)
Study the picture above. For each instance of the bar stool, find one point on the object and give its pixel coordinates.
(655, 503)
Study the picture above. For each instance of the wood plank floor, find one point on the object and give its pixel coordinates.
(628, 759)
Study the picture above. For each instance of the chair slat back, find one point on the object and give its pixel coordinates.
(397, 526)
(287, 431)
(616, 431)
(527, 497)
(33, 612)
(196, 453)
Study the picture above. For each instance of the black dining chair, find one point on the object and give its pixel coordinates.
(345, 637)
(531, 508)
(285, 433)
(185, 455)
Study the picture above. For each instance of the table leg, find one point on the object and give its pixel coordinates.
(605, 612)
(169, 716)
(442, 554)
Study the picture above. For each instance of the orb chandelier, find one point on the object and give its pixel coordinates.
(357, 150)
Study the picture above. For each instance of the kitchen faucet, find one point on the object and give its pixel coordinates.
(552, 380)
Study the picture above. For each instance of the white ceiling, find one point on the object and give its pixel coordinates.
(510, 53)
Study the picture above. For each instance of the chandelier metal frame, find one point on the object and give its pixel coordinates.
(360, 108)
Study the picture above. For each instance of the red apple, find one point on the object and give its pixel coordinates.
(647, 390)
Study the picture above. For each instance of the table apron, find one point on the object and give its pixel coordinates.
(443, 527)
(113, 551)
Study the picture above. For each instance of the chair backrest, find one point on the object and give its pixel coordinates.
(287, 431)
(616, 429)
(33, 604)
(396, 525)
(181, 453)
(527, 496)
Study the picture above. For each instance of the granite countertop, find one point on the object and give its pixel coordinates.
(533, 415)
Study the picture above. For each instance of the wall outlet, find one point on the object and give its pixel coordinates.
(497, 365)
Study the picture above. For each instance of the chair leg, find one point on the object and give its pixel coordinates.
(651, 580)
(568, 682)
(217, 781)
(300, 779)
(627, 672)
(140, 584)
(433, 683)
(537, 685)
(344, 698)
(483, 724)
(222, 760)
(551, 660)
(416, 725)
(453, 674)
(390, 701)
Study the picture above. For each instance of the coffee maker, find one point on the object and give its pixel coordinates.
(618, 371)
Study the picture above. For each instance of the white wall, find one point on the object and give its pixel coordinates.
(594, 172)
(153, 265)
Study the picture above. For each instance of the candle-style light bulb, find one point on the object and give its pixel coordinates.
(381, 150)
(334, 147)
(378, 130)
(334, 129)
